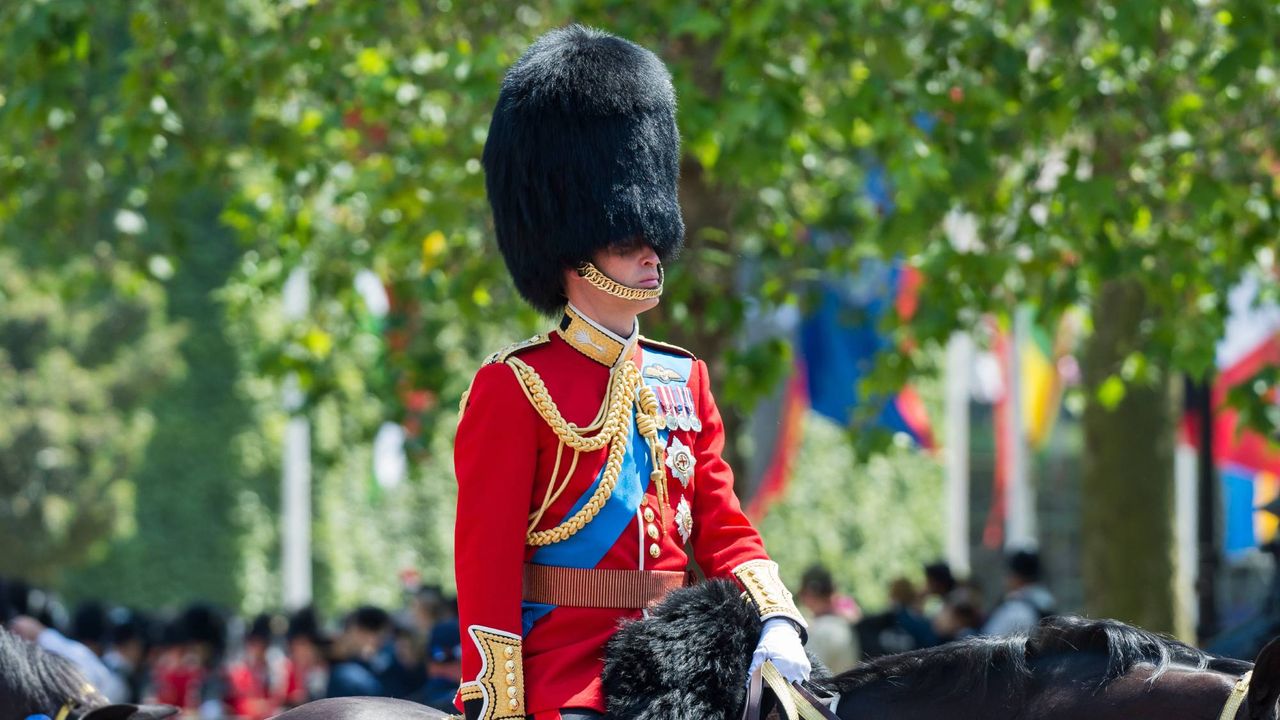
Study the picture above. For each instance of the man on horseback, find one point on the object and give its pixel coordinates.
(589, 457)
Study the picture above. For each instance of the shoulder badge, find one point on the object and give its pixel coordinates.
(508, 351)
(676, 349)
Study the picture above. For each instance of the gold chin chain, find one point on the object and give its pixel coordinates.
(608, 285)
(626, 388)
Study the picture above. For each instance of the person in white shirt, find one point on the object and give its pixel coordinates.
(88, 663)
(1025, 601)
(831, 636)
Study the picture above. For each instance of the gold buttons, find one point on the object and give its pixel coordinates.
(648, 514)
(511, 678)
(654, 551)
(513, 703)
(511, 692)
(653, 531)
(510, 666)
(509, 651)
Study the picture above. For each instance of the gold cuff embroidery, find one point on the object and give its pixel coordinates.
(764, 586)
(501, 678)
(470, 691)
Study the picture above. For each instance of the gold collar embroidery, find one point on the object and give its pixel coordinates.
(594, 341)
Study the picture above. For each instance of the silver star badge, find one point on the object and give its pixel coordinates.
(680, 461)
(684, 519)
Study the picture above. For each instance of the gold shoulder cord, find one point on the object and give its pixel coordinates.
(500, 356)
(612, 428)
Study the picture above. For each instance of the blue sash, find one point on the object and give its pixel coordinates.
(589, 545)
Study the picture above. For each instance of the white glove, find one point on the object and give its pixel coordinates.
(780, 643)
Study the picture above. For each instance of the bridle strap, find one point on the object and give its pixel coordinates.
(1237, 696)
(797, 703)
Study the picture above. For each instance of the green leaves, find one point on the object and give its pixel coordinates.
(1088, 142)
(83, 351)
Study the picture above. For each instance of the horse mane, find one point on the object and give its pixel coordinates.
(34, 681)
(969, 667)
(688, 659)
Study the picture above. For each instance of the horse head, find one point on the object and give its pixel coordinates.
(1264, 685)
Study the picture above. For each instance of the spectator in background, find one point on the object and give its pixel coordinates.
(365, 633)
(126, 654)
(427, 607)
(444, 659)
(960, 616)
(257, 681)
(85, 660)
(399, 662)
(939, 583)
(901, 628)
(308, 651)
(1025, 601)
(831, 637)
(186, 673)
(954, 608)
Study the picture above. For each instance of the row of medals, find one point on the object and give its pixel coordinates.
(675, 408)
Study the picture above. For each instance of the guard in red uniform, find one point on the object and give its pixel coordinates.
(589, 458)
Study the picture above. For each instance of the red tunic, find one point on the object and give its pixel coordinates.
(505, 455)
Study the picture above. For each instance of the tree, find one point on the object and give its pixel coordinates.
(1111, 155)
(83, 348)
(1101, 150)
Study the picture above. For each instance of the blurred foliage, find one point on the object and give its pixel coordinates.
(199, 495)
(868, 522)
(83, 349)
(1033, 151)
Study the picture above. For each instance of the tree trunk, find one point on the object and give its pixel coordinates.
(1127, 509)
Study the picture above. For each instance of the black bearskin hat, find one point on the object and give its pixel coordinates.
(582, 153)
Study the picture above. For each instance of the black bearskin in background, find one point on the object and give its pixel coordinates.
(688, 660)
(582, 153)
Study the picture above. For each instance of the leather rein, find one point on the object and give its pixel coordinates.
(797, 702)
(1237, 696)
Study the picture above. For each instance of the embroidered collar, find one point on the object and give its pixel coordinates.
(594, 340)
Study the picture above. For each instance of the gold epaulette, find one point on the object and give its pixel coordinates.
(668, 347)
(501, 356)
(512, 349)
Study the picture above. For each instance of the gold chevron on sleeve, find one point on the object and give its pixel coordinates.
(501, 678)
(763, 584)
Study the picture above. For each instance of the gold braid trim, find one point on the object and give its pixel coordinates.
(647, 422)
(609, 286)
(626, 389)
(619, 403)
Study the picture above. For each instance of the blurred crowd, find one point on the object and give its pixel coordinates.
(215, 665)
(944, 609)
(218, 666)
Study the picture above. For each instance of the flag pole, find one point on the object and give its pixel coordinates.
(1020, 518)
(959, 367)
(295, 498)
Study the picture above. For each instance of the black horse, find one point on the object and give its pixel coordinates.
(667, 667)
(688, 661)
(34, 682)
